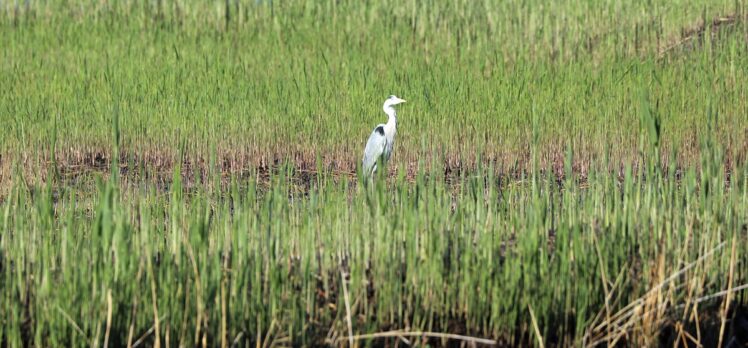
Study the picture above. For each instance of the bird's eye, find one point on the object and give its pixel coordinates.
(392, 97)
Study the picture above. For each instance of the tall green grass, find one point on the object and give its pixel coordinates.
(472, 257)
(298, 79)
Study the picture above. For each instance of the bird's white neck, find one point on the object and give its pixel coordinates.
(391, 116)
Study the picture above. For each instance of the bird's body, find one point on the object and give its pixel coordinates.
(382, 139)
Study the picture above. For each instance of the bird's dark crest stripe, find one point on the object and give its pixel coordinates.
(380, 130)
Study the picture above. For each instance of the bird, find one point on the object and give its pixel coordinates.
(379, 146)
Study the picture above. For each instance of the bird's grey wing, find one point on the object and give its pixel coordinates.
(374, 149)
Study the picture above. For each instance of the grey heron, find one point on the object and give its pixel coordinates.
(381, 140)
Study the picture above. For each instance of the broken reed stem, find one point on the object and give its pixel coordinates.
(721, 293)
(535, 327)
(147, 333)
(398, 333)
(239, 336)
(698, 33)
(266, 341)
(72, 322)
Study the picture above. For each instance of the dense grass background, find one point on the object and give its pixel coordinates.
(182, 171)
(300, 79)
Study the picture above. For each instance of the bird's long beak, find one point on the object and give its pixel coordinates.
(403, 100)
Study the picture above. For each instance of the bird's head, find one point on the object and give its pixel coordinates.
(392, 101)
